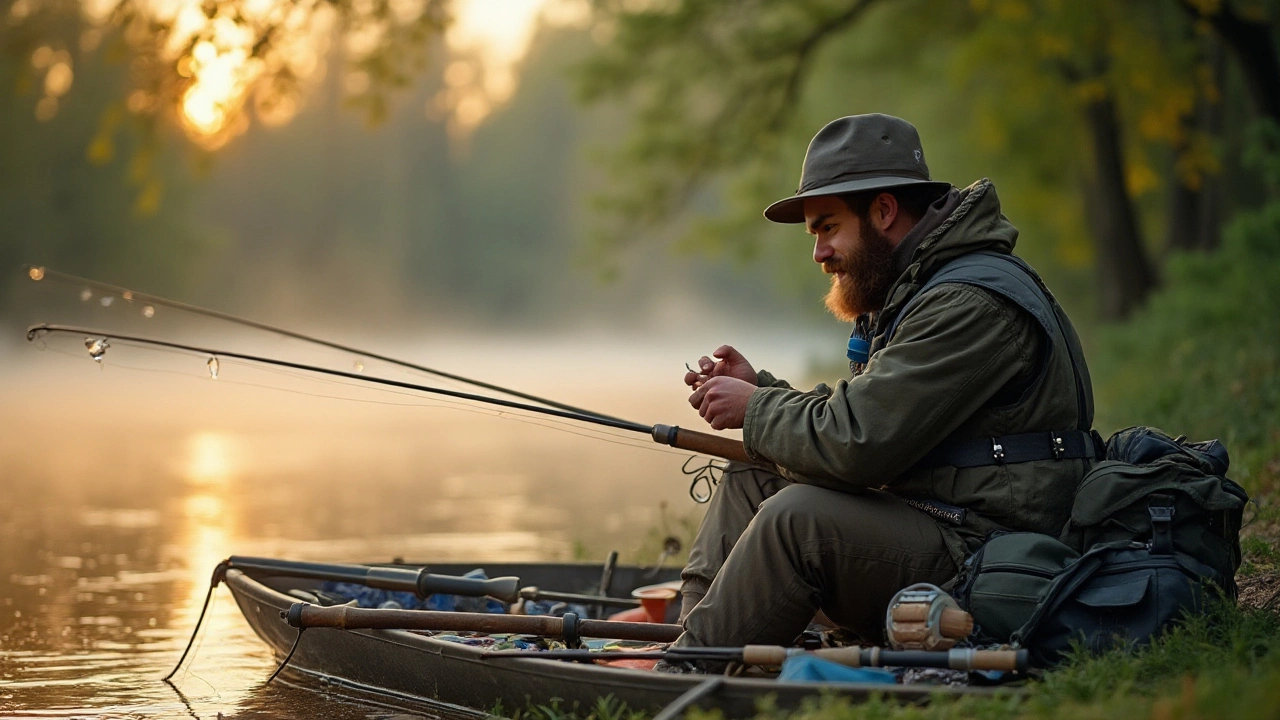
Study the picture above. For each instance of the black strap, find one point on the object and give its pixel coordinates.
(1008, 449)
(1160, 508)
(996, 272)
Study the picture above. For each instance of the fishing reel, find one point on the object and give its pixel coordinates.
(923, 617)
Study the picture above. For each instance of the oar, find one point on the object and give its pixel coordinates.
(853, 656)
(419, 581)
(570, 627)
(691, 440)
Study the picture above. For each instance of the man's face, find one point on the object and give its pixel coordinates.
(857, 255)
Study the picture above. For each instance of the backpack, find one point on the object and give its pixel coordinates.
(1153, 534)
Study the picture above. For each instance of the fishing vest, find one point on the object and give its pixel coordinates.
(1036, 465)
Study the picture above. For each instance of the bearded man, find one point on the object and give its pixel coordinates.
(969, 409)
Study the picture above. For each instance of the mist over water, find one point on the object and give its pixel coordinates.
(128, 480)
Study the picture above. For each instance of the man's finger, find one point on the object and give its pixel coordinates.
(696, 398)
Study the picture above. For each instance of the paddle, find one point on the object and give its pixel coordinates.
(853, 656)
(570, 627)
(419, 581)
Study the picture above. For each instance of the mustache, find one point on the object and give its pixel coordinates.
(837, 264)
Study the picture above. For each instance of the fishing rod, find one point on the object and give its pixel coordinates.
(570, 627)
(768, 655)
(419, 580)
(97, 342)
(43, 273)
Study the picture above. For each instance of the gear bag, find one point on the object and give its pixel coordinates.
(1153, 526)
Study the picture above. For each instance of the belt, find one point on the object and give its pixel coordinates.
(1010, 449)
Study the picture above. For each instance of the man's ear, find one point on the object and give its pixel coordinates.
(884, 211)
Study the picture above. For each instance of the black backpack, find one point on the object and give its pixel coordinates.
(1153, 534)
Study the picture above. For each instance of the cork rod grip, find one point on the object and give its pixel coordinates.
(700, 442)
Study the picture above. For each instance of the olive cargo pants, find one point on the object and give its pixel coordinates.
(770, 553)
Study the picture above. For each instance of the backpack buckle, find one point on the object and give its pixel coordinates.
(1059, 447)
(1160, 508)
(997, 450)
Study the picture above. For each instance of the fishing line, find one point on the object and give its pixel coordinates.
(99, 342)
(43, 273)
(199, 621)
(555, 424)
(605, 434)
(36, 330)
(287, 657)
(704, 478)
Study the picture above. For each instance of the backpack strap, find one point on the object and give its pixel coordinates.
(1012, 279)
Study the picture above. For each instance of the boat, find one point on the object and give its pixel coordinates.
(404, 667)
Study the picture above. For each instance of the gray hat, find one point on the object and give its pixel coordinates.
(855, 153)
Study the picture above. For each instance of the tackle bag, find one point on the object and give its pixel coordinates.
(1154, 531)
(1170, 494)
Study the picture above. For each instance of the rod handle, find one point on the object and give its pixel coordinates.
(701, 442)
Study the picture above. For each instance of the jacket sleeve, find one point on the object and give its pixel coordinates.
(764, 378)
(951, 353)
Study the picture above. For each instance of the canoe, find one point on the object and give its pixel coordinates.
(409, 668)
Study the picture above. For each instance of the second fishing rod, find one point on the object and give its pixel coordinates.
(98, 341)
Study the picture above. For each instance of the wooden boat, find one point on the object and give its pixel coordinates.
(411, 668)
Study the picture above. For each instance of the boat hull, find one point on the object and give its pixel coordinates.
(408, 667)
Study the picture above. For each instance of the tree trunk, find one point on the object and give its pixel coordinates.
(1124, 272)
(1195, 214)
(1254, 46)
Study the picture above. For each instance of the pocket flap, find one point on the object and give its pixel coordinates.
(1122, 594)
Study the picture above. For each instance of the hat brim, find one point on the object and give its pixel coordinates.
(791, 210)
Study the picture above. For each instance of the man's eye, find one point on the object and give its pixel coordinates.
(828, 227)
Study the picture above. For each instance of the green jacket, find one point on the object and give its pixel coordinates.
(938, 379)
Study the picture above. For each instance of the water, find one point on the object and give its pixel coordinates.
(126, 482)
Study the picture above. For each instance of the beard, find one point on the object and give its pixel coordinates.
(868, 275)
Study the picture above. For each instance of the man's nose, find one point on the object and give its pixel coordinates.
(821, 251)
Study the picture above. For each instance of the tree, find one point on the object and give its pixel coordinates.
(203, 65)
(719, 85)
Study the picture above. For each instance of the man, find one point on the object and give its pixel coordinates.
(969, 409)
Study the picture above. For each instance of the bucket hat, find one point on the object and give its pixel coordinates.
(856, 153)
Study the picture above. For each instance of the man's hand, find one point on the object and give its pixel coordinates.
(730, 363)
(722, 401)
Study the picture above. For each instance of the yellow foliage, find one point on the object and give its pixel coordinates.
(1206, 7)
(148, 200)
(1197, 160)
(1091, 90)
(1208, 85)
(101, 150)
(1012, 10)
(1140, 178)
(1052, 46)
(1163, 121)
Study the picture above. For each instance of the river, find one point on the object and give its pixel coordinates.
(126, 481)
